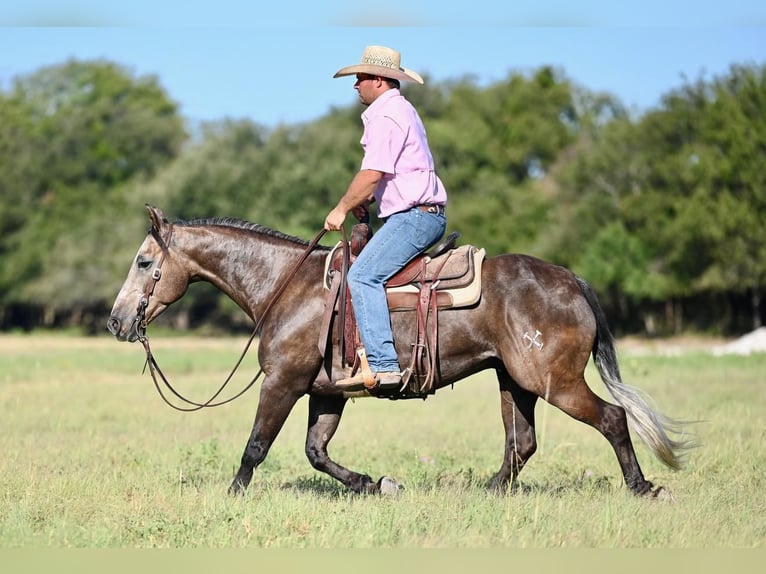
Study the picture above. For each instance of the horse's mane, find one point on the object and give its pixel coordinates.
(240, 224)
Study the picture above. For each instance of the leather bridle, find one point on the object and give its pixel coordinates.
(140, 320)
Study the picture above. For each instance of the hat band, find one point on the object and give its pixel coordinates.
(381, 61)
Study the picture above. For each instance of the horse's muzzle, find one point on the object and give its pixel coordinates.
(114, 326)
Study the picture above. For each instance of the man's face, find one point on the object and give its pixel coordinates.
(369, 87)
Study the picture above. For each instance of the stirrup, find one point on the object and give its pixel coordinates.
(363, 377)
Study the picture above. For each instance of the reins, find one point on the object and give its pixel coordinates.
(154, 368)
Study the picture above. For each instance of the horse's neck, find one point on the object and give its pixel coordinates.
(247, 267)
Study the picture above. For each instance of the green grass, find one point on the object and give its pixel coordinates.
(93, 458)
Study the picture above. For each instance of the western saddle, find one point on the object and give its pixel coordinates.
(445, 277)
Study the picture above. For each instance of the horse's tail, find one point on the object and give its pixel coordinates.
(652, 427)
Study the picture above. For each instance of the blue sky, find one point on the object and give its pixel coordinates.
(274, 63)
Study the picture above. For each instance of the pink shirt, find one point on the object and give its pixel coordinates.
(395, 143)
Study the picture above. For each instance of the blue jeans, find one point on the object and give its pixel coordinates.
(403, 236)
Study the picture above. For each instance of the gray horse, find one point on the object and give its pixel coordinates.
(536, 324)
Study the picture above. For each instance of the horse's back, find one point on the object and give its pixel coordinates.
(535, 292)
(519, 272)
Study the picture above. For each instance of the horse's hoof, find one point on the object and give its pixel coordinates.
(663, 494)
(237, 488)
(500, 488)
(388, 486)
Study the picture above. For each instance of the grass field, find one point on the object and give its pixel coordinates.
(91, 457)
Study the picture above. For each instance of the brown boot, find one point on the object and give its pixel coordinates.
(388, 380)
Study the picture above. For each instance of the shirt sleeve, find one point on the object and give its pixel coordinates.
(383, 143)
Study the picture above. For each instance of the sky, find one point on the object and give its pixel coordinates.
(274, 63)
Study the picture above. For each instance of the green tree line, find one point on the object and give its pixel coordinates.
(663, 212)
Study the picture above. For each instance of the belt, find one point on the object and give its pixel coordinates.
(431, 208)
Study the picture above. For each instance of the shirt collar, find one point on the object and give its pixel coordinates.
(380, 101)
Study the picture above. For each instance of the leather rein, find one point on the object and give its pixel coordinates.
(140, 322)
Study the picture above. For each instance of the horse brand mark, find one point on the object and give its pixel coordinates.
(533, 340)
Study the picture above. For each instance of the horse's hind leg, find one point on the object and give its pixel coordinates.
(324, 418)
(578, 401)
(518, 410)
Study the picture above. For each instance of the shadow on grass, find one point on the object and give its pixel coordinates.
(318, 485)
(325, 486)
(583, 484)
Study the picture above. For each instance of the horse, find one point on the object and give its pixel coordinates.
(536, 324)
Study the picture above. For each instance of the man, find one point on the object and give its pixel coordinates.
(397, 172)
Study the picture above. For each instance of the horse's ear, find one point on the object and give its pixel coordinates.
(156, 217)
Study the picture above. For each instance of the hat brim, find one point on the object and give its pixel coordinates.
(402, 74)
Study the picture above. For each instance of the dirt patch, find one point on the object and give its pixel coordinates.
(753, 342)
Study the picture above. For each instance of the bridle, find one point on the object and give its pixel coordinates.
(140, 325)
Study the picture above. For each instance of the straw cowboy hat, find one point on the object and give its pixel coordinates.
(381, 61)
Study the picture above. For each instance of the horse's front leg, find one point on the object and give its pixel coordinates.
(276, 401)
(324, 418)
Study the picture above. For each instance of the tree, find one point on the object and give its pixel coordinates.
(685, 186)
(19, 171)
(94, 127)
(493, 145)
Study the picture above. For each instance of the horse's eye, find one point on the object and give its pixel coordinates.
(143, 263)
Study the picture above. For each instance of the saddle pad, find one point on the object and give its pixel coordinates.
(406, 296)
(455, 268)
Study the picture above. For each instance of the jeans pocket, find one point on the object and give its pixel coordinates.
(427, 228)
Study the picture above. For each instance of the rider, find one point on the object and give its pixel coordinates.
(397, 172)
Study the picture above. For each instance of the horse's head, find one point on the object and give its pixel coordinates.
(155, 280)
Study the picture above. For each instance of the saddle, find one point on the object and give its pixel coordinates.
(445, 277)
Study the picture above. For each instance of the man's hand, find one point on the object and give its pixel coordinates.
(356, 199)
(362, 211)
(334, 220)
